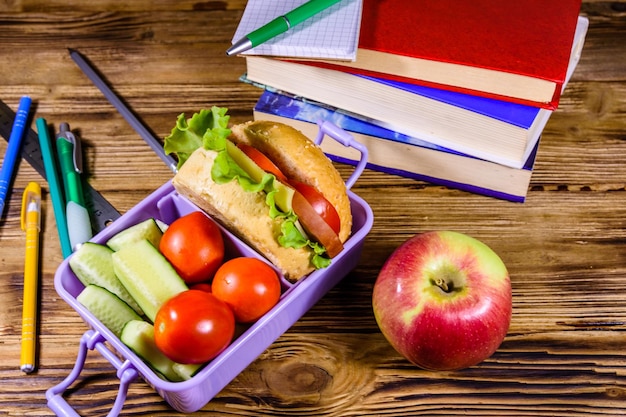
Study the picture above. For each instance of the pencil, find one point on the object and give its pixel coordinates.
(123, 109)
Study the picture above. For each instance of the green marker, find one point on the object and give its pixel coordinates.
(280, 25)
(56, 187)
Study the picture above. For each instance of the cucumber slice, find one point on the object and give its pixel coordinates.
(107, 307)
(139, 336)
(147, 229)
(186, 371)
(149, 278)
(162, 225)
(284, 193)
(92, 264)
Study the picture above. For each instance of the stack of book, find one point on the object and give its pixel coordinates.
(455, 93)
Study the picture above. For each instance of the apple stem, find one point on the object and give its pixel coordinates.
(441, 283)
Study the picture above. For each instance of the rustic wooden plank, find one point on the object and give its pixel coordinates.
(74, 6)
(564, 354)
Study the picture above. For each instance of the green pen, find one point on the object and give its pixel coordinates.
(280, 25)
(56, 188)
(70, 161)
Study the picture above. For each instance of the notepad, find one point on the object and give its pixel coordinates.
(331, 34)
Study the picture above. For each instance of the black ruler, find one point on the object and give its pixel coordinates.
(102, 212)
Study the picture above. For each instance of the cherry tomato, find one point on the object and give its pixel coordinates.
(194, 246)
(262, 161)
(249, 286)
(202, 286)
(193, 327)
(320, 204)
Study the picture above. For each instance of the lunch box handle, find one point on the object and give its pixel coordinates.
(346, 139)
(92, 339)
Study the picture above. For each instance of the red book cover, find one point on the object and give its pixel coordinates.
(527, 38)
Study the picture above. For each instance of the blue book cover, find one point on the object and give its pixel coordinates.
(512, 113)
(309, 111)
(462, 171)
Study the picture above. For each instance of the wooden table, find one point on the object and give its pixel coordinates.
(565, 354)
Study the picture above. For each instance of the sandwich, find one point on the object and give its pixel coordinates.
(268, 184)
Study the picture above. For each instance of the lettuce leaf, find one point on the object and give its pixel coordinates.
(292, 238)
(208, 128)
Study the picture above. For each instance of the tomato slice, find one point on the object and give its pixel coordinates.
(317, 215)
(262, 161)
(315, 225)
(320, 204)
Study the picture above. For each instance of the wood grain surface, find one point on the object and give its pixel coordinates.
(565, 248)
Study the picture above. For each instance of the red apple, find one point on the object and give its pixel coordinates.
(443, 300)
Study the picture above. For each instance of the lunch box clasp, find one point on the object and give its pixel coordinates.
(126, 373)
(346, 139)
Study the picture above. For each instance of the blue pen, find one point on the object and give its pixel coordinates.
(13, 150)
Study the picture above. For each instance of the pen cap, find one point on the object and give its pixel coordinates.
(77, 153)
(31, 202)
(269, 31)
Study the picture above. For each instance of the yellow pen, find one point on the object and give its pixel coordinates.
(31, 223)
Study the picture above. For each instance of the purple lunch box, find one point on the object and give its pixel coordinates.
(297, 298)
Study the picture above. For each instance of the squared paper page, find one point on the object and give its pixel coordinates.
(331, 34)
